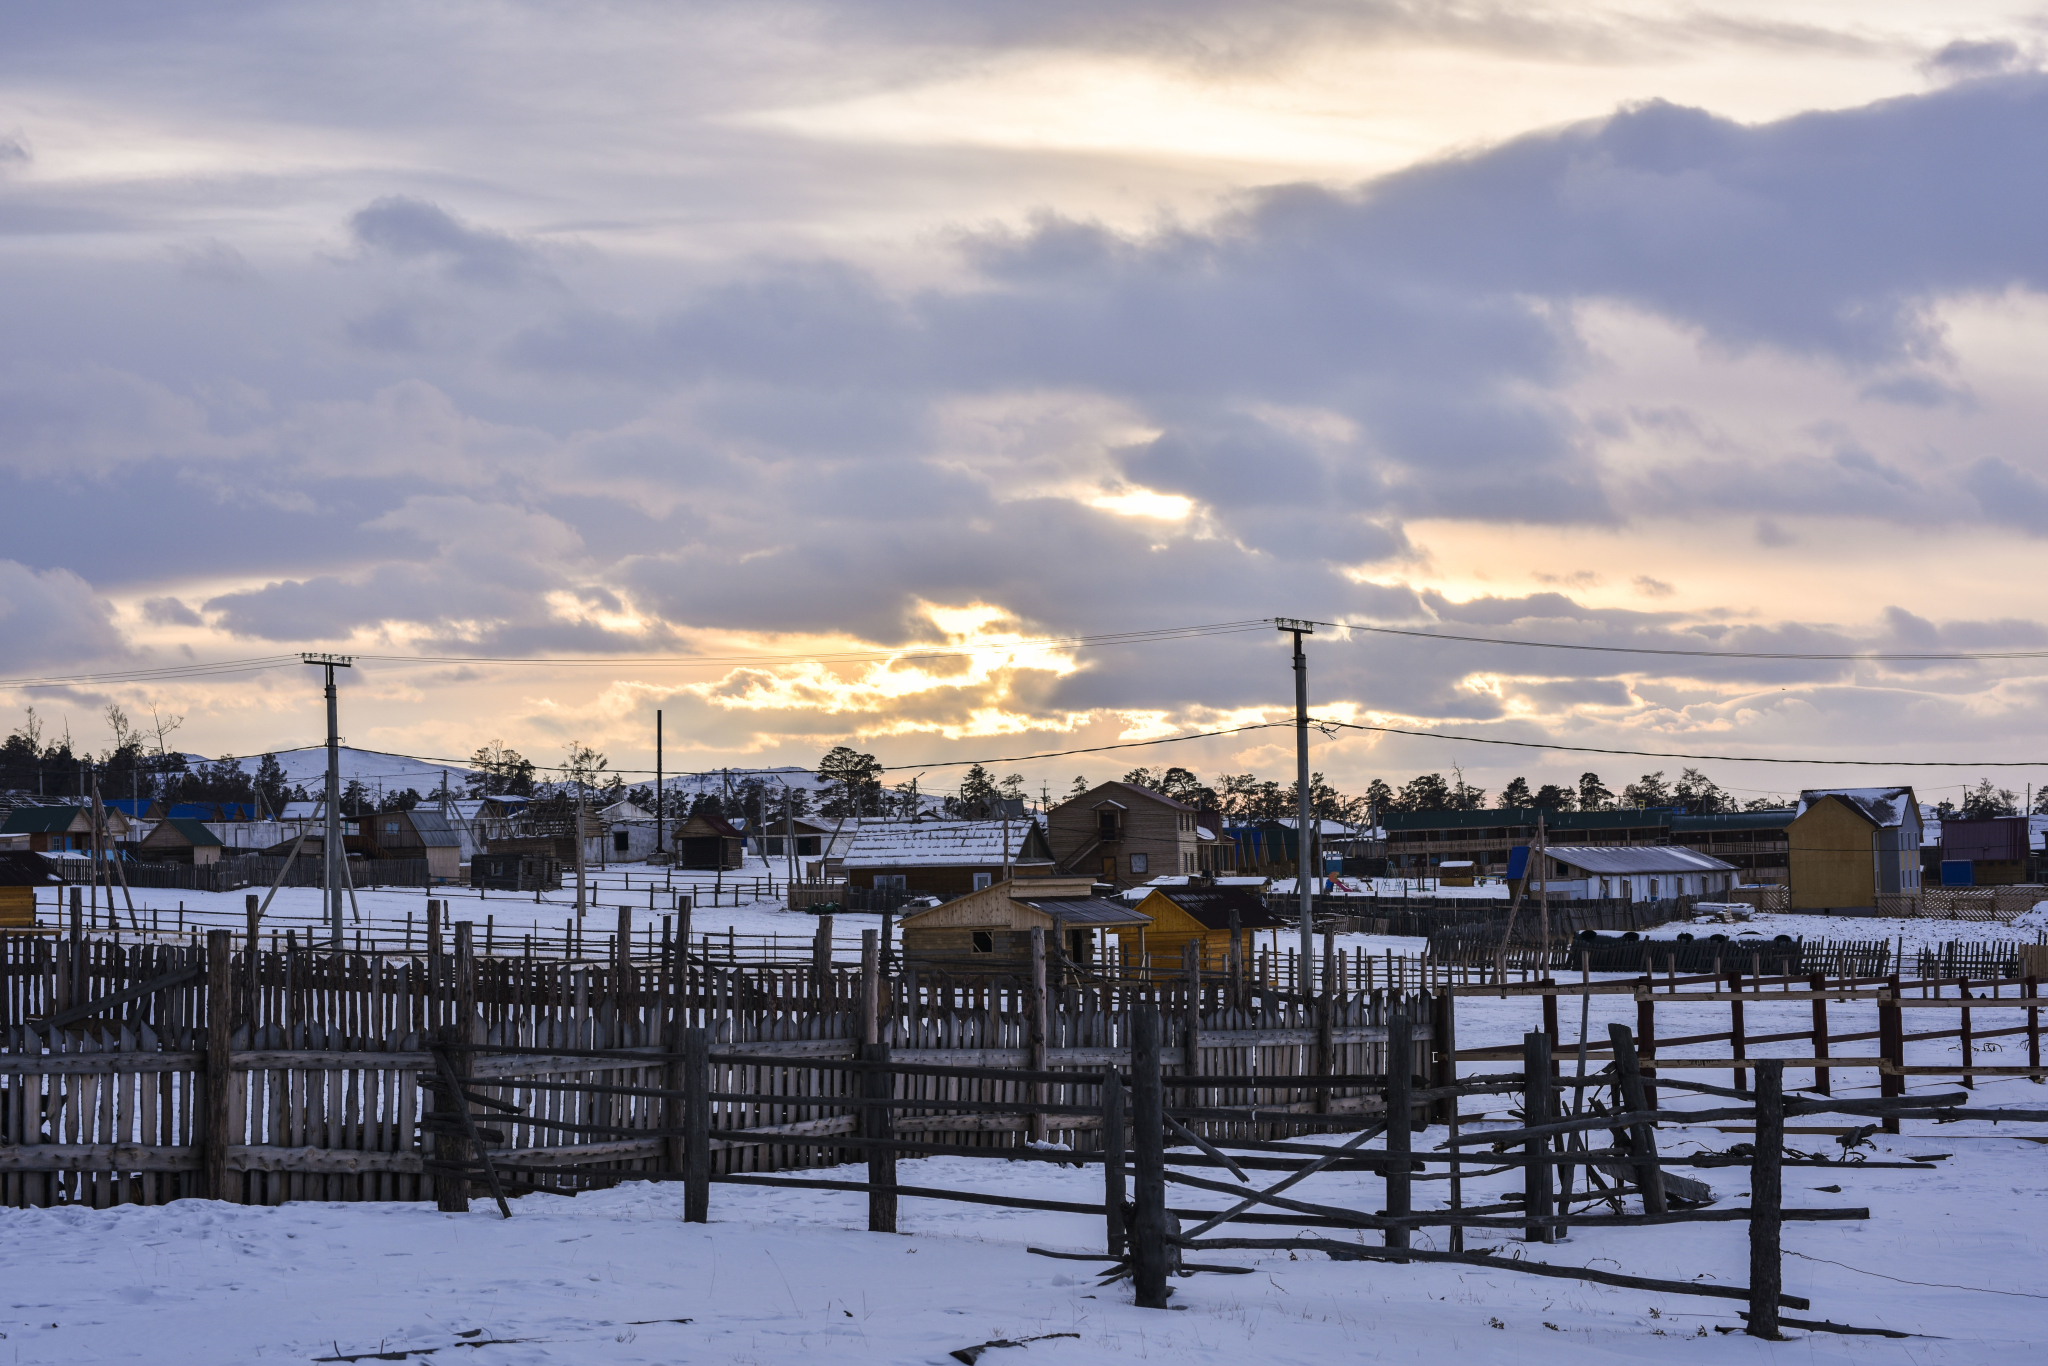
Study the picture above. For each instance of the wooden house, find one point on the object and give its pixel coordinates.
(810, 838)
(709, 843)
(63, 829)
(417, 834)
(178, 839)
(1125, 835)
(1850, 845)
(21, 872)
(1199, 915)
(989, 931)
(944, 858)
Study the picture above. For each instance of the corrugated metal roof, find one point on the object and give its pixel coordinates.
(1086, 911)
(1524, 818)
(1885, 806)
(1211, 907)
(435, 832)
(1630, 860)
(936, 844)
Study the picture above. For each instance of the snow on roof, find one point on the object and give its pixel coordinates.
(1624, 861)
(1884, 806)
(935, 844)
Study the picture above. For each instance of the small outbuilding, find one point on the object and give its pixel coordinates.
(517, 870)
(21, 872)
(989, 931)
(418, 834)
(179, 839)
(1203, 915)
(708, 843)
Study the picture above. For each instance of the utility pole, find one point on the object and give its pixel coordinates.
(337, 879)
(657, 780)
(1303, 839)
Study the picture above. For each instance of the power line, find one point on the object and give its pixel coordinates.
(1709, 758)
(157, 674)
(1857, 656)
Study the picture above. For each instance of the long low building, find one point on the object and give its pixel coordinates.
(1656, 873)
(989, 931)
(944, 858)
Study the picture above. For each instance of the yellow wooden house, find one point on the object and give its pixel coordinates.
(1199, 914)
(21, 873)
(989, 930)
(1848, 845)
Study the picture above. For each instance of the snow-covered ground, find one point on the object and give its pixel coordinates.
(792, 1276)
(784, 1276)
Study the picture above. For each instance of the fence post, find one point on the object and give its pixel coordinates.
(1891, 1046)
(1148, 1124)
(75, 989)
(220, 989)
(251, 904)
(1821, 1079)
(1646, 1039)
(1038, 1027)
(879, 1085)
(466, 1030)
(674, 1078)
(1113, 1191)
(1444, 1042)
(1735, 1032)
(1400, 1116)
(870, 988)
(697, 1126)
(1642, 1139)
(1766, 1200)
(821, 955)
(1538, 1178)
(435, 991)
(2032, 986)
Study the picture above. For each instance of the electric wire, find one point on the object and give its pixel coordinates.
(1859, 656)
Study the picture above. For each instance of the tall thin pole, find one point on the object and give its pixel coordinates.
(1305, 839)
(332, 842)
(1304, 836)
(657, 780)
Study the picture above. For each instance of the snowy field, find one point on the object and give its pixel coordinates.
(793, 1277)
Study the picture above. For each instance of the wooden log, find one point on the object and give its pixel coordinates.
(1641, 1138)
(875, 1123)
(1822, 1079)
(1538, 1178)
(1892, 1046)
(697, 1121)
(1766, 1201)
(1646, 1037)
(2032, 987)
(1444, 1048)
(214, 1135)
(1337, 1251)
(1149, 1250)
(1113, 1186)
(1400, 1055)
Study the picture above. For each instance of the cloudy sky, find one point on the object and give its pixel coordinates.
(738, 351)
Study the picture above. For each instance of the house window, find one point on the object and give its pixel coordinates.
(984, 941)
(1106, 824)
(391, 827)
(807, 846)
(1140, 864)
(775, 846)
(981, 880)
(1653, 889)
(619, 841)
(884, 881)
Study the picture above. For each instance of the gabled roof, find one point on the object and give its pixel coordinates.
(942, 844)
(194, 832)
(1627, 861)
(1884, 807)
(1093, 797)
(704, 823)
(1211, 907)
(40, 820)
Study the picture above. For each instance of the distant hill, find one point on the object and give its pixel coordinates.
(395, 772)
